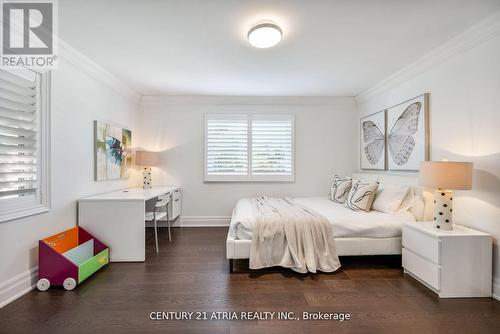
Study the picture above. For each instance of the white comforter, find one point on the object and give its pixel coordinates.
(346, 223)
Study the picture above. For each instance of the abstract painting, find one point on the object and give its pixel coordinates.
(407, 136)
(373, 141)
(112, 151)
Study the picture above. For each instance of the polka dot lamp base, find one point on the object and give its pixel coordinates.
(443, 209)
(146, 178)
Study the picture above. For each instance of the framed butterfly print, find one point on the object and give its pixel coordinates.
(408, 134)
(372, 141)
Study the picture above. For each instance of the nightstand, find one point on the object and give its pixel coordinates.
(456, 263)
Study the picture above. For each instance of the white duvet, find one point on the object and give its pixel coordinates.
(346, 223)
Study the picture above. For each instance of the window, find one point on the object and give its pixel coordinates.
(249, 147)
(24, 143)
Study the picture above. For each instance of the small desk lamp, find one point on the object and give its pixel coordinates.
(445, 175)
(147, 159)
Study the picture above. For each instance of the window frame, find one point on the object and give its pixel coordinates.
(22, 207)
(249, 177)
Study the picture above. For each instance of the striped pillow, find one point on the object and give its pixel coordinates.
(339, 189)
(361, 196)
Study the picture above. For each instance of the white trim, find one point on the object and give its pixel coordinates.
(195, 221)
(96, 71)
(46, 141)
(246, 100)
(18, 286)
(31, 211)
(472, 37)
(496, 288)
(204, 221)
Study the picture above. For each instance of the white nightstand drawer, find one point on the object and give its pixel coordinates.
(422, 244)
(420, 267)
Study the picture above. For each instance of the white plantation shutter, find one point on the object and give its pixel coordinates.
(226, 150)
(243, 147)
(20, 104)
(272, 147)
(18, 135)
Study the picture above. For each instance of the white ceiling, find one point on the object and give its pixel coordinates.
(330, 48)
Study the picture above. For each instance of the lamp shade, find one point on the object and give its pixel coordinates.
(446, 175)
(147, 158)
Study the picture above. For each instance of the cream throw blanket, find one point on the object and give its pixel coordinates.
(290, 235)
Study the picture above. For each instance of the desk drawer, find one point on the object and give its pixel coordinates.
(420, 267)
(176, 194)
(421, 244)
(175, 206)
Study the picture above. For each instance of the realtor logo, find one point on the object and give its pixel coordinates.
(28, 30)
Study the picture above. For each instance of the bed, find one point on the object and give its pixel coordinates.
(355, 233)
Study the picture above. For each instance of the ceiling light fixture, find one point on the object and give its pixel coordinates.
(264, 35)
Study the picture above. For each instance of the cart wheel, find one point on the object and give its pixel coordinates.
(43, 284)
(69, 283)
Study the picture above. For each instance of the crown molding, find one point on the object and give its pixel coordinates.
(246, 100)
(69, 54)
(469, 39)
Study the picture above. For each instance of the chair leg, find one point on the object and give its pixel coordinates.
(169, 234)
(168, 224)
(156, 236)
(231, 263)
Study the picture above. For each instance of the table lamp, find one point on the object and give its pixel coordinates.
(445, 176)
(147, 159)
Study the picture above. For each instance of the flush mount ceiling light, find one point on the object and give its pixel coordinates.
(264, 35)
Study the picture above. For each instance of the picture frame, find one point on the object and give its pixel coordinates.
(112, 151)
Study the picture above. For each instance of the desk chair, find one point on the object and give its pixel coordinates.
(158, 214)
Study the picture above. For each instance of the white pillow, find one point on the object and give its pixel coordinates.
(417, 208)
(409, 202)
(393, 199)
(339, 189)
(361, 196)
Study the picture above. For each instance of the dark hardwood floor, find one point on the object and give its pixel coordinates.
(191, 274)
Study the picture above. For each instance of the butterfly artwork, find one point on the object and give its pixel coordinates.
(407, 137)
(401, 131)
(373, 141)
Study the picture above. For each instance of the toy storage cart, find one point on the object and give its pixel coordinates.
(69, 257)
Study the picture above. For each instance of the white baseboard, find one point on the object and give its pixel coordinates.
(18, 286)
(197, 221)
(204, 221)
(496, 288)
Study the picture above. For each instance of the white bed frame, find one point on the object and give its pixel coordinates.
(240, 249)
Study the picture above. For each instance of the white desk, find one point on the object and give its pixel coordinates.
(117, 218)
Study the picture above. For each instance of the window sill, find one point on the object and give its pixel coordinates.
(285, 179)
(35, 210)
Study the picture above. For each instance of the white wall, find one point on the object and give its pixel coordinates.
(77, 100)
(324, 140)
(464, 123)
